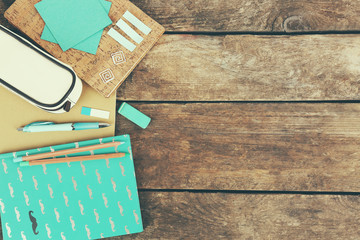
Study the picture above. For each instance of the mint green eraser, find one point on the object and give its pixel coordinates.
(134, 115)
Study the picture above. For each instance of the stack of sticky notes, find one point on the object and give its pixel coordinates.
(74, 24)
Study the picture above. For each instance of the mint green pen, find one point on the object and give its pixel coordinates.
(56, 127)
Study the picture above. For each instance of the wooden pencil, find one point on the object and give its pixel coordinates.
(71, 159)
(67, 151)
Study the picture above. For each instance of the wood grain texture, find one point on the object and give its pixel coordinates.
(249, 16)
(254, 16)
(242, 216)
(236, 216)
(4, 4)
(246, 67)
(247, 146)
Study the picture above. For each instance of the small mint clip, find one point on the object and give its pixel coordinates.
(40, 123)
(26, 128)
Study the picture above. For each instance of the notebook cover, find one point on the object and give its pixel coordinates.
(112, 63)
(78, 200)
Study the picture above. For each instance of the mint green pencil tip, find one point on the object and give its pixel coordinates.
(18, 159)
(24, 164)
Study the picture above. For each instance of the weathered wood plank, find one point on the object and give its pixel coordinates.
(236, 68)
(242, 216)
(254, 16)
(4, 4)
(237, 216)
(245, 16)
(247, 146)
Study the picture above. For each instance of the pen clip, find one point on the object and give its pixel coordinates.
(39, 124)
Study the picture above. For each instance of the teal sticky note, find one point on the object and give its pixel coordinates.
(71, 22)
(134, 115)
(90, 44)
(78, 200)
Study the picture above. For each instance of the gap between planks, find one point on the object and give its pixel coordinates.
(199, 68)
(254, 16)
(245, 16)
(251, 147)
(251, 192)
(233, 216)
(247, 68)
(236, 216)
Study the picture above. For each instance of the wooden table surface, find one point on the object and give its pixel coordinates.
(255, 128)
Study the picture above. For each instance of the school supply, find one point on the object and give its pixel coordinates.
(77, 200)
(52, 127)
(67, 151)
(18, 113)
(95, 112)
(71, 159)
(90, 44)
(121, 48)
(35, 75)
(79, 19)
(134, 115)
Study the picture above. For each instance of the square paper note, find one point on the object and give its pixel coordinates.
(71, 22)
(90, 44)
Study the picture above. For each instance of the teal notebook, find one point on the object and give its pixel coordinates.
(78, 200)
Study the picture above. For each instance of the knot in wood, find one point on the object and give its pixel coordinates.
(295, 24)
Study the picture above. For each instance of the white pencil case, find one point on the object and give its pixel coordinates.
(35, 75)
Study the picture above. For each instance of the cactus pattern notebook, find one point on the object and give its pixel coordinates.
(78, 200)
